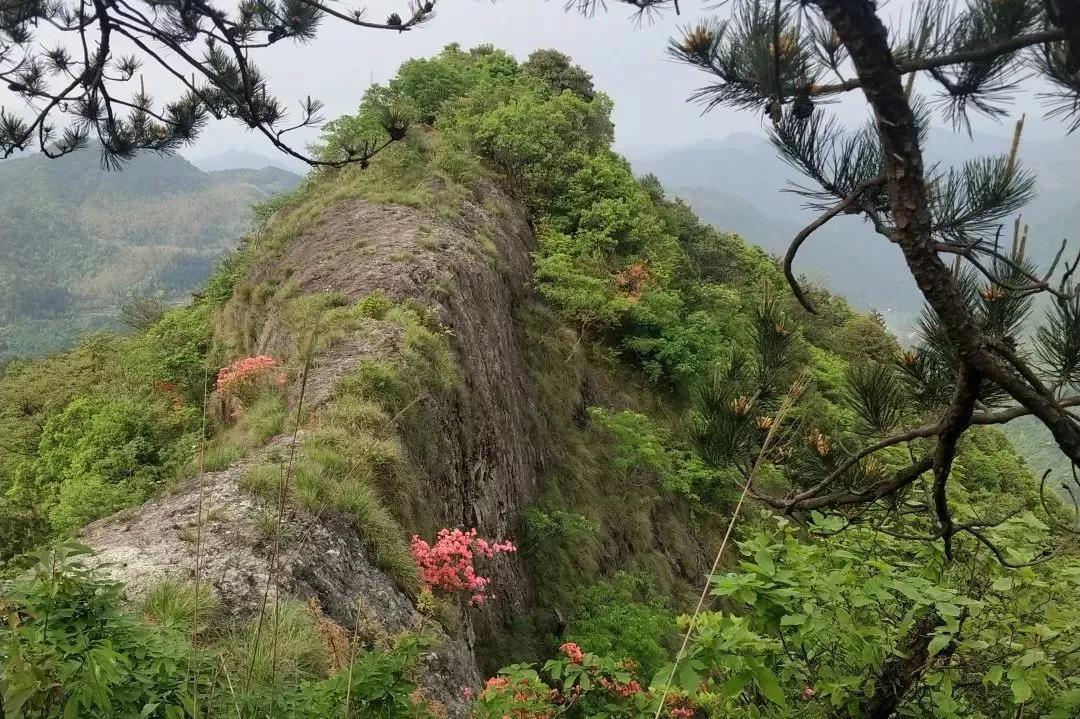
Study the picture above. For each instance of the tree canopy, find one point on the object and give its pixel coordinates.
(86, 86)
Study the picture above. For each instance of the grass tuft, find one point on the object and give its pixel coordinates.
(171, 604)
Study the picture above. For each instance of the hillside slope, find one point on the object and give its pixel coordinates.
(754, 202)
(77, 239)
(479, 445)
(489, 400)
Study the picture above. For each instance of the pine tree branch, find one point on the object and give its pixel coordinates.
(866, 39)
(953, 425)
(956, 58)
(874, 492)
(789, 257)
(971, 252)
(90, 93)
(927, 430)
(1046, 555)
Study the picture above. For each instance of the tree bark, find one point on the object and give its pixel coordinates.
(865, 37)
(903, 668)
(953, 425)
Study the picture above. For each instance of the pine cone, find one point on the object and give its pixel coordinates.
(803, 107)
(820, 442)
(698, 42)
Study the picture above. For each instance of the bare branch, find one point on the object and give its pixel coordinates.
(844, 205)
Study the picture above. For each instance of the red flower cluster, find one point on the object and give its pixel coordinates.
(678, 707)
(449, 563)
(634, 279)
(577, 678)
(247, 371)
(241, 383)
(573, 652)
(520, 698)
(621, 689)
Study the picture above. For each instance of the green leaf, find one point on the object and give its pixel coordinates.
(993, 676)
(792, 619)
(1021, 689)
(689, 679)
(663, 676)
(938, 643)
(735, 684)
(769, 686)
(764, 560)
(71, 707)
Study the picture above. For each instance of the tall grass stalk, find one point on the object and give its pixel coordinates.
(271, 578)
(193, 664)
(796, 390)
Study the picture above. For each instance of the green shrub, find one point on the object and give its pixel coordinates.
(552, 535)
(625, 618)
(100, 456)
(219, 454)
(175, 605)
(283, 647)
(375, 305)
(69, 649)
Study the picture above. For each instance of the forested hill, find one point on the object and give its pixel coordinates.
(488, 406)
(844, 255)
(75, 240)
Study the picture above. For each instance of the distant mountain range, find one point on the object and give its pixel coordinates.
(739, 184)
(75, 239)
(246, 160)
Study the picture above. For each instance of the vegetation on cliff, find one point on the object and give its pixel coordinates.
(714, 381)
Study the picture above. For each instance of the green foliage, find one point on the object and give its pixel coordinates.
(174, 350)
(101, 426)
(847, 605)
(174, 605)
(98, 456)
(557, 70)
(642, 448)
(625, 618)
(817, 628)
(285, 646)
(533, 139)
(553, 541)
(69, 649)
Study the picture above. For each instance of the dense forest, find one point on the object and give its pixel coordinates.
(672, 367)
(76, 241)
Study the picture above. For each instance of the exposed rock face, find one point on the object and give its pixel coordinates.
(321, 558)
(474, 271)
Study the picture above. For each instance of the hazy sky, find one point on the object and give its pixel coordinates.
(627, 61)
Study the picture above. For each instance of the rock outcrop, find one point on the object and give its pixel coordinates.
(473, 271)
